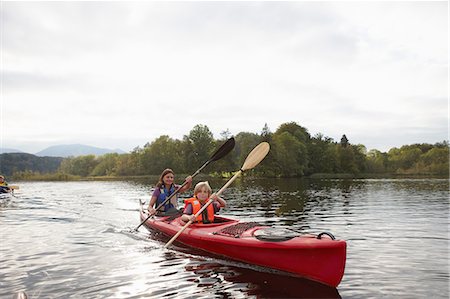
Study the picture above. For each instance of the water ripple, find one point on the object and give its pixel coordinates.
(77, 240)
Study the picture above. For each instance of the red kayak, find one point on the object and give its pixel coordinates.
(320, 258)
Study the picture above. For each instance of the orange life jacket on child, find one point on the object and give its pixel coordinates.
(207, 216)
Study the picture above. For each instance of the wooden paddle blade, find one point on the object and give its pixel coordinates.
(223, 150)
(256, 156)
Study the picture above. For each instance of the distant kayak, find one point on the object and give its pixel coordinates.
(5, 189)
(320, 258)
(8, 189)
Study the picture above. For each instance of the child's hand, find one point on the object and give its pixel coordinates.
(219, 200)
(151, 211)
(185, 218)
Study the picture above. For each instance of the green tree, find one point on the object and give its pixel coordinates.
(290, 154)
(106, 165)
(376, 161)
(198, 146)
(351, 157)
(344, 141)
(403, 159)
(268, 167)
(162, 153)
(266, 134)
(300, 133)
(436, 161)
(360, 152)
(82, 165)
(321, 158)
(346, 159)
(298, 148)
(129, 164)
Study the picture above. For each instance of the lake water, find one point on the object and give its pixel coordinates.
(75, 240)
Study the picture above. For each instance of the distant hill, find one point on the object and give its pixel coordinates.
(75, 150)
(13, 162)
(9, 150)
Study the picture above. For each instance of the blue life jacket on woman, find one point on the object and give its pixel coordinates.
(164, 193)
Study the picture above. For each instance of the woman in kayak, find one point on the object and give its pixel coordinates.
(164, 188)
(202, 193)
(4, 185)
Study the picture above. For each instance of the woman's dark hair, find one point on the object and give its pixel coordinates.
(163, 174)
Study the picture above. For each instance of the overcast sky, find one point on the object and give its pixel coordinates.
(120, 74)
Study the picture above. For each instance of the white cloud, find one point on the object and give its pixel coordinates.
(119, 74)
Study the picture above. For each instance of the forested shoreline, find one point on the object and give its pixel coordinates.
(294, 153)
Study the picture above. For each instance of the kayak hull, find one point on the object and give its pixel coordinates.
(321, 260)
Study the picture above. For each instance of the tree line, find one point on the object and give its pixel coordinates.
(294, 153)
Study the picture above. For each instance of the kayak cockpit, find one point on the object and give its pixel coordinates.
(218, 221)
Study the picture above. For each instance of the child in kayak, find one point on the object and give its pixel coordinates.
(4, 185)
(202, 193)
(164, 188)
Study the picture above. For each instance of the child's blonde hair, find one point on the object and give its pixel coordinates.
(200, 186)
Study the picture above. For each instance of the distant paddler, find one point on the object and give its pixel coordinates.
(4, 187)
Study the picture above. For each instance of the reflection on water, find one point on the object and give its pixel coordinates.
(257, 283)
(75, 240)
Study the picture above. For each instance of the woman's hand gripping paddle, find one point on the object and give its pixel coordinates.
(253, 159)
(219, 154)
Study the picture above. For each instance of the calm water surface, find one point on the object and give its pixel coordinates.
(74, 240)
